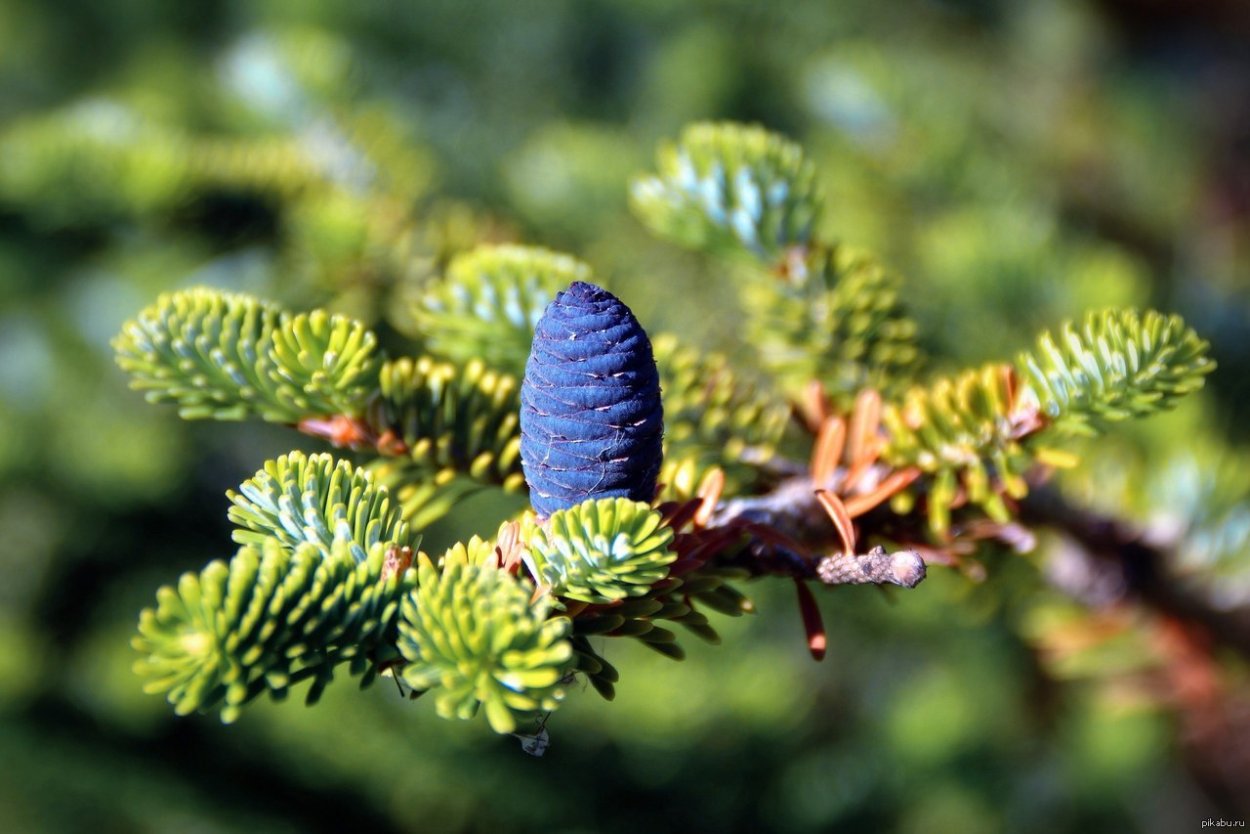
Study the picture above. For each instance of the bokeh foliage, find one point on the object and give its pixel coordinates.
(1014, 167)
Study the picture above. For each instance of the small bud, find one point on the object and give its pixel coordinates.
(398, 559)
(904, 568)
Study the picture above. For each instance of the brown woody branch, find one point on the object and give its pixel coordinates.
(1120, 554)
(1139, 564)
(788, 525)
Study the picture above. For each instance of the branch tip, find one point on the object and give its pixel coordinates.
(904, 568)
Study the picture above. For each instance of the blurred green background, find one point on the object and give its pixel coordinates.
(1019, 163)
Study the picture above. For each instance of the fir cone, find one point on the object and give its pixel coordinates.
(591, 418)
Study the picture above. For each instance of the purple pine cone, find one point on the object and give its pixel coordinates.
(591, 418)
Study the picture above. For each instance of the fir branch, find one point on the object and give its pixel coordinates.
(424, 495)
(969, 433)
(601, 550)
(827, 313)
(104, 157)
(324, 575)
(452, 419)
(1119, 364)
(271, 617)
(730, 187)
(715, 418)
(489, 301)
(965, 433)
(694, 577)
(229, 356)
(672, 599)
(315, 499)
(470, 633)
(832, 314)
